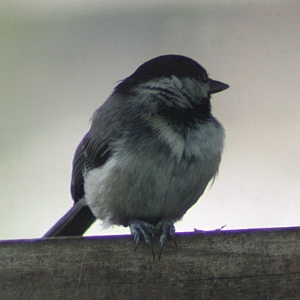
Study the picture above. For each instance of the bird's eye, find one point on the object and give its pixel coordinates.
(203, 77)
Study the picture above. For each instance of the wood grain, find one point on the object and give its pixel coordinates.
(242, 264)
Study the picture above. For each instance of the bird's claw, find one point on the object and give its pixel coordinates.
(140, 229)
(167, 230)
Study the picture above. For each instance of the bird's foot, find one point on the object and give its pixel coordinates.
(141, 229)
(166, 229)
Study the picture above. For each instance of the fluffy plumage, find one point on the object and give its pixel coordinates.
(153, 146)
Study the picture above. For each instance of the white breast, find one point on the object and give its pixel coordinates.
(148, 184)
(200, 142)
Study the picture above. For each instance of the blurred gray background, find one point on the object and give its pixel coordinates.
(61, 59)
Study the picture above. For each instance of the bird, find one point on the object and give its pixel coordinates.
(151, 151)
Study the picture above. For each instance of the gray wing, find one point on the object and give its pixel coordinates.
(89, 155)
(108, 123)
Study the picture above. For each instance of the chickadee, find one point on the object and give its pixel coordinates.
(152, 148)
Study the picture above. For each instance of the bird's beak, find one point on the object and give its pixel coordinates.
(217, 86)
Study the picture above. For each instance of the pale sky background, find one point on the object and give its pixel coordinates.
(61, 59)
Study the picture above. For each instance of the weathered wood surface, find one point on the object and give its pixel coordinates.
(243, 264)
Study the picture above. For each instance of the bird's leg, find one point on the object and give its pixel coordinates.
(167, 230)
(141, 229)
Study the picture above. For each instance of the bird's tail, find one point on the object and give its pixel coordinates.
(74, 223)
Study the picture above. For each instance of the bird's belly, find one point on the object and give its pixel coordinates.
(159, 178)
(148, 189)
